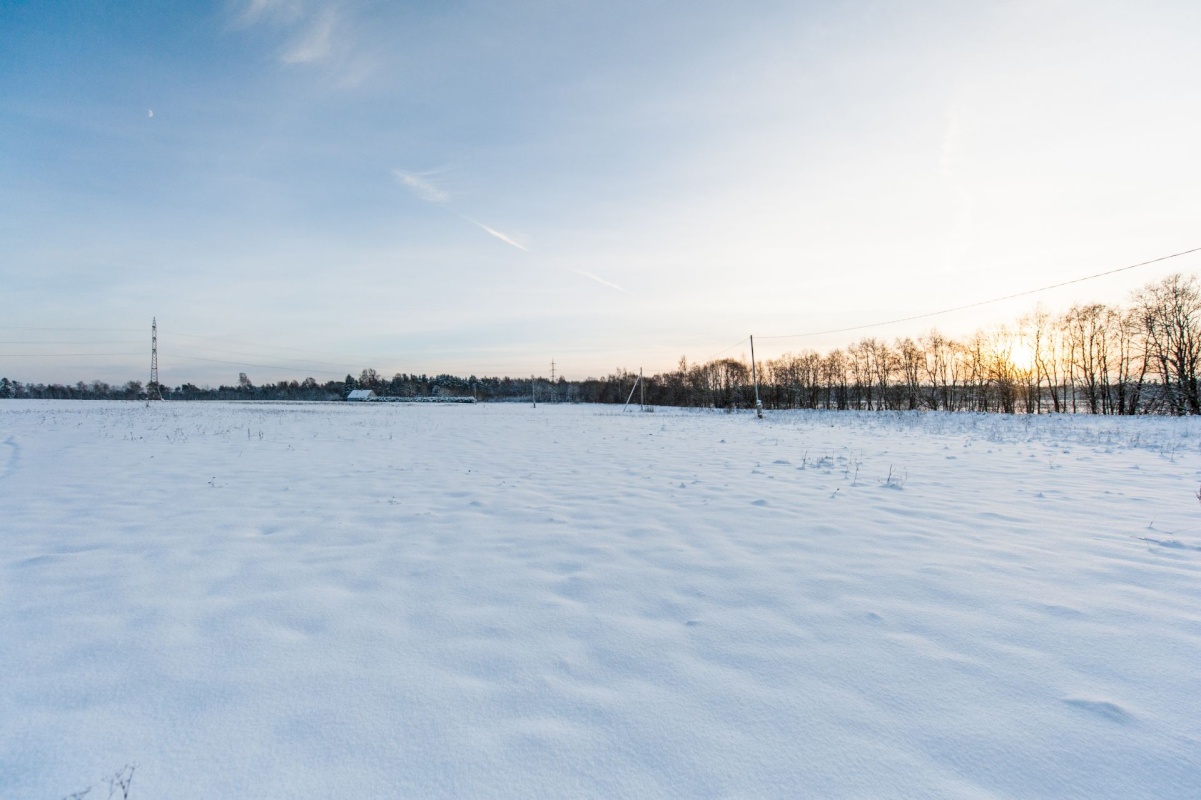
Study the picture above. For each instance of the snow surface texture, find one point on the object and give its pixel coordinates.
(283, 601)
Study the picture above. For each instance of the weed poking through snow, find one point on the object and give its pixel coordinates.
(894, 481)
(118, 785)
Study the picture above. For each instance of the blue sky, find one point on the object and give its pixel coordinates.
(300, 187)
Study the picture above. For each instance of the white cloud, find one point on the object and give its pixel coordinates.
(314, 43)
(422, 187)
(256, 11)
(256, 8)
(308, 26)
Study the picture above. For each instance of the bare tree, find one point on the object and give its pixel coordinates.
(859, 356)
(1129, 347)
(835, 370)
(940, 371)
(1088, 336)
(883, 365)
(910, 361)
(1171, 317)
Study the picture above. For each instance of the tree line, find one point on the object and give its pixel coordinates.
(1138, 358)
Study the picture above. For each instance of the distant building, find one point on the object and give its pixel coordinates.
(361, 394)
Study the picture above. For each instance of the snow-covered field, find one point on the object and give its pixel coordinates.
(370, 601)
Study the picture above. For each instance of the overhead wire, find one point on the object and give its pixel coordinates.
(64, 355)
(339, 369)
(251, 344)
(983, 302)
(728, 349)
(830, 331)
(75, 330)
(259, 355)
(263, 366)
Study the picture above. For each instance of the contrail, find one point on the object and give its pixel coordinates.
(600, 280)
(430, 193)
(427, 191)
(504, 238)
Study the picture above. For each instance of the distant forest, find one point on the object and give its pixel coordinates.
(1141, 358)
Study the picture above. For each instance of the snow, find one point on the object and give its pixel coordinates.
(319, 600)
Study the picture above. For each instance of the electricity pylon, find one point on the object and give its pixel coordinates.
(152, 390)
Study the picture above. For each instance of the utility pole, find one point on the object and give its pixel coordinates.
(642, 395)
(755, 379)
(633, 389)
(152, 390)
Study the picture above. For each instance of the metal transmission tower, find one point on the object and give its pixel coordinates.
(152, 390)
(553, 398)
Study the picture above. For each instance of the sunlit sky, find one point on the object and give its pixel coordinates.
(298, 187)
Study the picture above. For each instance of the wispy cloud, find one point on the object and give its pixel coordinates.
(422, 187)
(314, 43)
(601, 280)
(256, 11)
(308, 27)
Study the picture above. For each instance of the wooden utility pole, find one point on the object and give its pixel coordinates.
(633, 389)
(755, 380)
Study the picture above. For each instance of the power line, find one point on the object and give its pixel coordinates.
(263, 366)
(184, 358)
(76, 330)
(256, 355)
(728, 349)
(64, 355)
(252, 344)
(172, 334)
(983, 302)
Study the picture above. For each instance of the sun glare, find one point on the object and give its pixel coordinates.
(1022, 356)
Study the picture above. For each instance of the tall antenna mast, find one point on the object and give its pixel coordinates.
(553, 399)
(152, 390)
